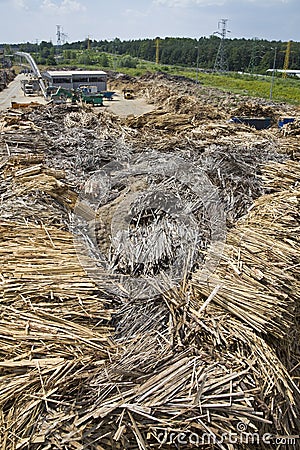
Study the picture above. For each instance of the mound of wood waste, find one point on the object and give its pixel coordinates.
(99, 347)
(6, 76)
(292, 129)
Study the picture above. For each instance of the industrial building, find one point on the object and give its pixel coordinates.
(73, 79)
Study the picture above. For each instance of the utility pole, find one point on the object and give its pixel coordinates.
(157, 42)
(252, 62)
(197, 64)
(221, 64)
(115, 57)
(273, 73)
(88, 43)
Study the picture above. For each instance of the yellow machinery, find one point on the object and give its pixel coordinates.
(286, 59)
(128, 94)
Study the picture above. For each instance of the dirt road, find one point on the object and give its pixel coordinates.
(118, 105)
(13, 92)
(124, 108)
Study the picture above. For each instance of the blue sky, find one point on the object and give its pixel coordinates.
(31, 20)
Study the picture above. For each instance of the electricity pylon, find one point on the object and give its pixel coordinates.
(58, 35)
(221, 64)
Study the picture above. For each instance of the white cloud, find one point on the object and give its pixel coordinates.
(134, 14)
(62, 7)
(19, 4)
(187, 3)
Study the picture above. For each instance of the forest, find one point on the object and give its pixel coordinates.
(241, 54)
(246, 55)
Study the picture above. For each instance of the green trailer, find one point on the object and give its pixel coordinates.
(61, 95)
(92, 99)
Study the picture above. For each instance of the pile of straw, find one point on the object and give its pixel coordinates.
(82, 368)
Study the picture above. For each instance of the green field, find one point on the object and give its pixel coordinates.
(284, 90)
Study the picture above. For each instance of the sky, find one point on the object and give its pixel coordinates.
(36, 20)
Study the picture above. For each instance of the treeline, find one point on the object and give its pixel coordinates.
(255, 55)
(241, 54)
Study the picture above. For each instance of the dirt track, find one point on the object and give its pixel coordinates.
(14, 93)
(124, 108)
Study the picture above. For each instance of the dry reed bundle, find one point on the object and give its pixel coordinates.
(282, 176)
(81, 369)
(53, 325)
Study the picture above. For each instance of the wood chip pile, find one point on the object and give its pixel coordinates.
(6, 76)
(292, 129)
(82, 367)
(255, 110)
